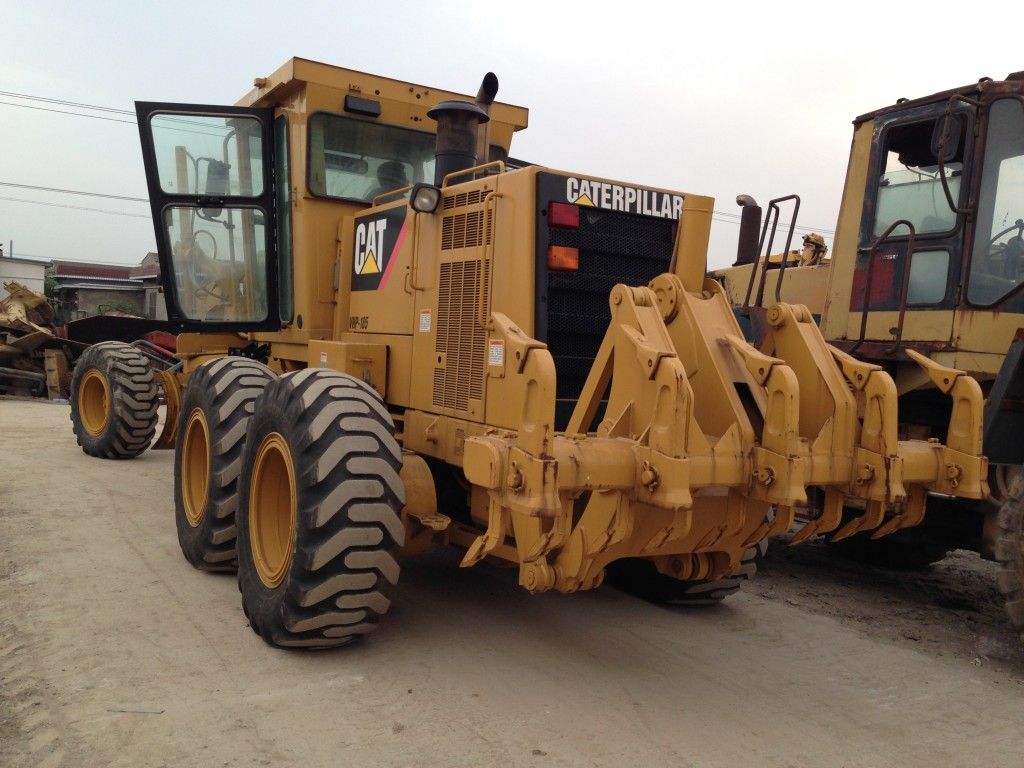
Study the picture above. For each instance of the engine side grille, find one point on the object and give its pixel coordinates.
(466, 230)
(473, 197)
(460, 339)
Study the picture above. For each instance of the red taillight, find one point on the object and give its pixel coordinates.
(564, 215)
(563, 259)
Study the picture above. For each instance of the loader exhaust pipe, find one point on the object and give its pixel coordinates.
(484, 99)
(750, 231)
(457, 126)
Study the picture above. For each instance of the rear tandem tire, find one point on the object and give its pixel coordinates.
(1009, 553)
(212, 423)
(640, 577)
(114, 401)
(319, 521)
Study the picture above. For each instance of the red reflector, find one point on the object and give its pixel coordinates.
(563, 259)
(884, 285)
(564, 215)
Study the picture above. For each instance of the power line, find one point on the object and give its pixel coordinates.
(74, 192)
(65, 112)
(800, 229)
(808, 228)
(66, 103)
(166, 118)
(75, 207)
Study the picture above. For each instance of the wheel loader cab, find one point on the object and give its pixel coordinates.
(929, 248)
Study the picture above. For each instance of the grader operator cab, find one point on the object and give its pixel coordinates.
(527, 364)
(928, 266)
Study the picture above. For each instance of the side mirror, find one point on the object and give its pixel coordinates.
(217, 178)
(217, 184)
(946, 137)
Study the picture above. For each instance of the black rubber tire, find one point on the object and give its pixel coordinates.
(225, 390)
(1009, 552)
(907, 550)
(348, 495)
(640, 577)
(133, 400)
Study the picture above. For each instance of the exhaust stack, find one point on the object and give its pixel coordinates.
(463, 136)
(457, 126)
(750, 229)
(484, 99)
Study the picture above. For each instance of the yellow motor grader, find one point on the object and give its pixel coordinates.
(397, 336)
(928, 267)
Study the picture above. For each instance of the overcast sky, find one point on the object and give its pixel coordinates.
(732, 98)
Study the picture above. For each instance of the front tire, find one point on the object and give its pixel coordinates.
(212, 423)
(114, 401)
(1009, 553)
(319, 521)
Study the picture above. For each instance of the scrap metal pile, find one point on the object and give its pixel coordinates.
(34, 359)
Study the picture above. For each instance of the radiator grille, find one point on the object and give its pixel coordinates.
(460, 340)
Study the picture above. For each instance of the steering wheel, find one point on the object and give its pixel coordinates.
(203, 281)
(1012, 252)
(1018, 225)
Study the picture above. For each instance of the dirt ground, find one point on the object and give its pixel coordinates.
(114, 652)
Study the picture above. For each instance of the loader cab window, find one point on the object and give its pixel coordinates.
(218, 251)
(357, 160)
(909, 186)
(997, 261)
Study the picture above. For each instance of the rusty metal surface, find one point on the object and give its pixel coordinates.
(983, 87)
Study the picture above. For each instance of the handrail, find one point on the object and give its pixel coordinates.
(385, 195)
(789, 242)
(773, 207)
(870, 280)
(475, 169)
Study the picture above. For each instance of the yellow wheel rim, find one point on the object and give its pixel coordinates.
(272, 510)
(195, 467)
(94, 402)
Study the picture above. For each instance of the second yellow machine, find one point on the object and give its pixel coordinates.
(397, 337)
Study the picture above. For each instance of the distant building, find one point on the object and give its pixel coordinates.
(28, 272)
(83, 289)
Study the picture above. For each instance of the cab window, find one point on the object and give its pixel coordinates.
(218, 252)
(909, 186)
(357, 160)
(997, 261)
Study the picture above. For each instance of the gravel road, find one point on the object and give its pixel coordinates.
(114, 652)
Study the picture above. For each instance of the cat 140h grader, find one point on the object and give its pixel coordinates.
(394, 338)
(928, 260)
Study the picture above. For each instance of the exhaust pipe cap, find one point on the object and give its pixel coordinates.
(454, 106)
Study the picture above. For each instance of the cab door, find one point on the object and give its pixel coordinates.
(906, 184)
(210, 174)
